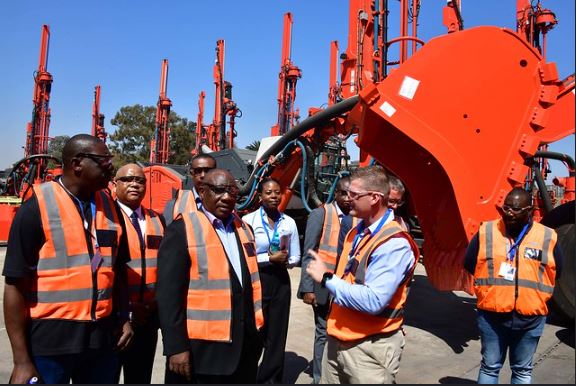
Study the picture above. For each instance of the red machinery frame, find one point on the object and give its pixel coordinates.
(98, 118)
(288, 77)
(160, 143)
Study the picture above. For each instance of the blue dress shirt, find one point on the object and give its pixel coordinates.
(389, 265)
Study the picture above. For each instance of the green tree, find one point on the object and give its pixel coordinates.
(254, 146)
(131, 140)
(55, 147)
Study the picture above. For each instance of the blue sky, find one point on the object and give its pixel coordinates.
(120, 45)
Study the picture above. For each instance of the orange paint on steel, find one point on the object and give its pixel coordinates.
(97, 118)
(458, 135)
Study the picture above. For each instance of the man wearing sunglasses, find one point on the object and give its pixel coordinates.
(322, 229)
(189, 200)
(145, 229)
(209, 293)
(369, 288)
(66, 312)
(515, 262)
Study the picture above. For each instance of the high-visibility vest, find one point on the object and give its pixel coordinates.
(327, 248)
(142, 283)
(65, 284)
(185, 202)
(209, 300)
(347, 324)
(535, 276)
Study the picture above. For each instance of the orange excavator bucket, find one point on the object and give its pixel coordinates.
(456, 122)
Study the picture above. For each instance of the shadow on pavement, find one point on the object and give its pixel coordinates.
(566, 336)
(455, 380)
(449, 317)
(294, 365)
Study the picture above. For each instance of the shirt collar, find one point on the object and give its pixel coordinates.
(129, 210)
(374, 225)
(338, 210)
(215, 220)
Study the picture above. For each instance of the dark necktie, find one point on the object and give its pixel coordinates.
(136, 223)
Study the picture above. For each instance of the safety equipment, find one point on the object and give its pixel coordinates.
(142, 268)
(185, 202)
(534, 279)
(329, 237)
(66, 287)
(347, 324)
(209, 300)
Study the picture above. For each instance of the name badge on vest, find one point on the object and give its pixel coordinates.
(96, 260)
(507, 271)
(153, 241)
(250, 249)
(533, 253)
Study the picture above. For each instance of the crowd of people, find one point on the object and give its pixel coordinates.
(92, 275)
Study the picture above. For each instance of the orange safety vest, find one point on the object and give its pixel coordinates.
(65, 285)
(329, 238)
(143, 291)
(185, 202)
(347, 324)
(533, 283)
(209, 301)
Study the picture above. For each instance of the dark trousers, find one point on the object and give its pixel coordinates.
(245, 373)
(91, 366)
(276, 295)
(137, 362)
(320, 315)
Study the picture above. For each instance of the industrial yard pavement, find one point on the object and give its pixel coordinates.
(442, 344)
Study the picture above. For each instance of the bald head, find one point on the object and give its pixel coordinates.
(130, 183)
(80, 143)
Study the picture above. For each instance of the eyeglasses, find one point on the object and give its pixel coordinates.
(198, 171)
(392, 201)
(507, 208)
(100, 159)
(129, 179)
(357, 195)
(220, 190)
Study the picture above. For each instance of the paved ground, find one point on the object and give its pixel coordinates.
(442, 343)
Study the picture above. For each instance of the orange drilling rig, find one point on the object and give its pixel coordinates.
(98, 118)
(33, 168)
(457, 126)
(289, 74)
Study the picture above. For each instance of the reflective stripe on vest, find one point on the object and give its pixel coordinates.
(534, 281)
(135, 286)
(209, 300)
(64, 287)
(347, 324)
(185, 202)
(327, 249)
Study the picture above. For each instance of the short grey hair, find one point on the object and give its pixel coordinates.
(396, 184)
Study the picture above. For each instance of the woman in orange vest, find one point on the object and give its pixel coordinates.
(515, 262)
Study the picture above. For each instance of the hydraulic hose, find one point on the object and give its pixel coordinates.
(316, 120)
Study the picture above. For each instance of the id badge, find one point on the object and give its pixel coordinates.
(96, 260)
(507, 271)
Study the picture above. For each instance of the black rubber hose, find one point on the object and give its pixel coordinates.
(316, 120)
(557, 156)
(542, 188)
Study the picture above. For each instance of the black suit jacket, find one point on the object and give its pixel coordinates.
(211, 358)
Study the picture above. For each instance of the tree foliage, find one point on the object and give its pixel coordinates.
(254, 146)
(131, 140)
(56, 145)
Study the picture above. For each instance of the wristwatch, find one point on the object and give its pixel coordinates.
(327, 276)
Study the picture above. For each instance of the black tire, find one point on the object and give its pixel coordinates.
(562, 303)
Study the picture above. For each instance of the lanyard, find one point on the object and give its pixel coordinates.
(359, 233)
(514, 248)
(91, 229)
(265, 224)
